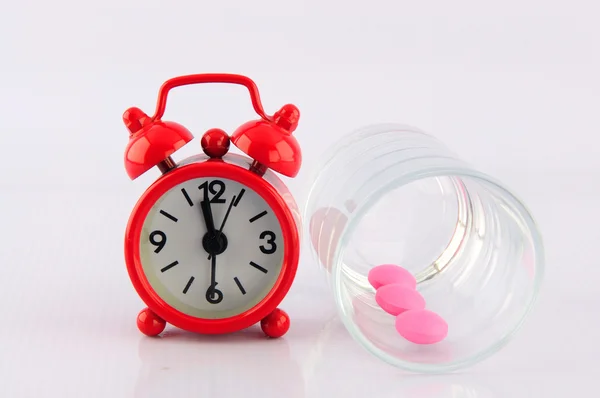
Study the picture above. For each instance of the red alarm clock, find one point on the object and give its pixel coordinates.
(212, 246)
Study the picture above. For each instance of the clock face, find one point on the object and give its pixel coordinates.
(211, 273)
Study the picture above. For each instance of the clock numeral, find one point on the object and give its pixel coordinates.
(158, 239)
(272, 247)
(216, 188)
(214, 295)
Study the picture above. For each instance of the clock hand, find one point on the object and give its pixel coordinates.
(213, 295)
(226, 215)
(213, 271)
(208, 217)
(218, 234)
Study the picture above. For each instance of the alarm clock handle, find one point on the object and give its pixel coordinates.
(208, 78)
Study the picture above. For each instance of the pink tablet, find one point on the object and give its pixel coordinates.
(397, 298)
(388, 274)
(421, 326)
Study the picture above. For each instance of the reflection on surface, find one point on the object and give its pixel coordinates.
(317, 359)
(243, 364)
(246, 364)
(337, 366)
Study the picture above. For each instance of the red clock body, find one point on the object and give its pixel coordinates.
(213, 245)
(170, 213)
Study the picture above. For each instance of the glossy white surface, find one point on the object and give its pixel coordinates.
(512, 86)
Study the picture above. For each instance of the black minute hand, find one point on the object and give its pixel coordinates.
(213, 295)
(213, 272)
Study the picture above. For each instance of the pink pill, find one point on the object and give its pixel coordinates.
(388, 274)
(421, 326)
(395, 299)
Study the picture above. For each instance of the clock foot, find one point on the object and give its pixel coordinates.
(276, 324)
(149, 323)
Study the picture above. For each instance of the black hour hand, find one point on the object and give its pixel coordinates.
(208, 217)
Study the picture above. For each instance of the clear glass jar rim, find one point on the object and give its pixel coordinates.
(406, 179)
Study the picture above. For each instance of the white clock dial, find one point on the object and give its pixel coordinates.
(177, 264)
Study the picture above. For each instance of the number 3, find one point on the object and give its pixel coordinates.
(270, 241)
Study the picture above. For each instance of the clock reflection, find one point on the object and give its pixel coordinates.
(234, 365)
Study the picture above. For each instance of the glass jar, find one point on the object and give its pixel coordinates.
(392, 194)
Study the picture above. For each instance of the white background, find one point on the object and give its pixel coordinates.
(513, 86)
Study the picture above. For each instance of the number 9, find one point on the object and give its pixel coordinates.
(161, 242)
